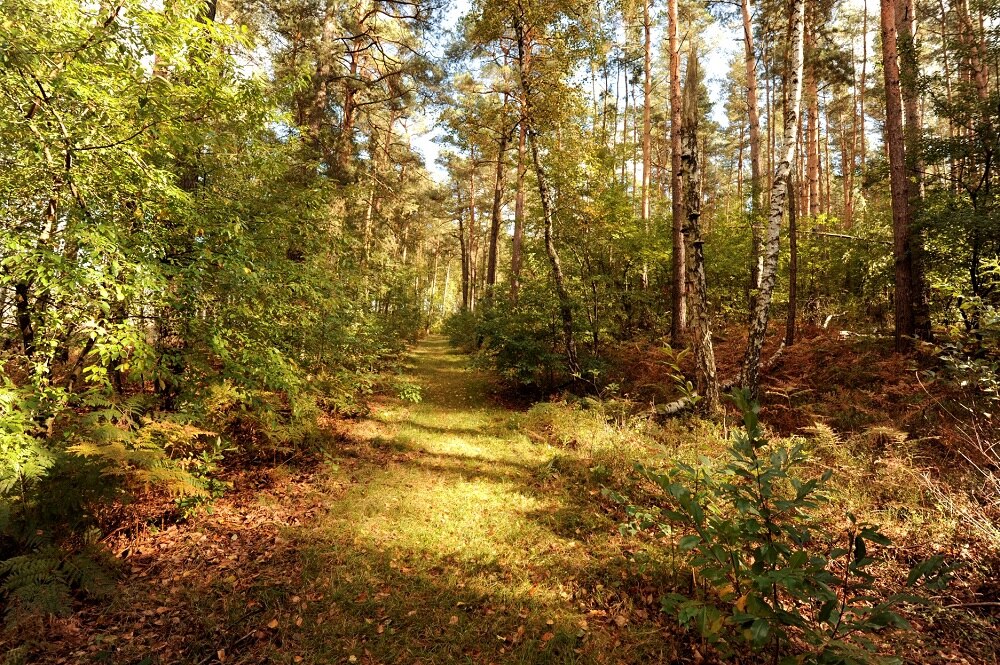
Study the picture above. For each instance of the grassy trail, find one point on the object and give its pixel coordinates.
(448, 541)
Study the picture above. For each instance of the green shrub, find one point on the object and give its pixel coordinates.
(460, 328)
(766, 574)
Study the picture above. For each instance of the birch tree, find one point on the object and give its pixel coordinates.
(678, 308)
(750, 372)
(697, 287)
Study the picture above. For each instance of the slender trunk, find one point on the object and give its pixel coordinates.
(647, 83)
(516, 251)
(464, 248)
(863, 150)
(678, 305)
(849, 144)
(812, 124)
(948, 96)
(899, 187)
(708, 382)
(544, 194)
(756, 184)
(793, 265)
(628, 92)
(906, 27)
(825, 167)
(498, 187)
(473, 235)
(24, 322)
(749, 375)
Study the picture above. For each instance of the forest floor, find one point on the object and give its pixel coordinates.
(432, 533)
(443, 531)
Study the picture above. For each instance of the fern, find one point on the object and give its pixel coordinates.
(41, 582)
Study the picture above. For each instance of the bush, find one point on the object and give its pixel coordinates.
(461, 329)
(765, 572)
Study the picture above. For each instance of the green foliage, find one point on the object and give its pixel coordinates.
(181, 276)
(766, 573)
(461, 329)
(41, 582)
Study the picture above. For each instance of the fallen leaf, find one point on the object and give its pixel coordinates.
(273, 623)
(548, 636)
(453, 620)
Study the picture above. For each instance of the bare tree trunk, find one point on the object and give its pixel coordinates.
(749, 375)
(848, 145)
(826, 172)
(473, 235)
(756, 184)
(678, 307)
(647, 83)
(464, 248)
(565, 302)
(948, 95)
(863, 84)
(516, 251)
(899, 187)
(708, 381)
(906, 27)
(498, 187)
(812, 123)
(793, 264)
(647, 147)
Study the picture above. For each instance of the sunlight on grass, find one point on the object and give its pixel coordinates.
(446, 552)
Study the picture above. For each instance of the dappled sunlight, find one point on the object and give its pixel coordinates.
(452, 520)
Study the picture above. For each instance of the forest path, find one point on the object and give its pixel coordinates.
(446, 542)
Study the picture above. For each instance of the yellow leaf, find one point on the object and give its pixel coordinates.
(273, 623)
(741, 603)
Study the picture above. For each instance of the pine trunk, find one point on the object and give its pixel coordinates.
(899, 187)
(906, 24)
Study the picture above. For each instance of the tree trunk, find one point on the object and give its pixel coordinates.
(812, 124)
(544, 194)
(863, 148)
(498, 186)
(906, 24)
(473, 235)
(899, 188)
(708, 381)
(516, 251)
(749, 375)
(647, 146)
(464, 248)
(678, 307)
(793, 265)
(756, 185)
